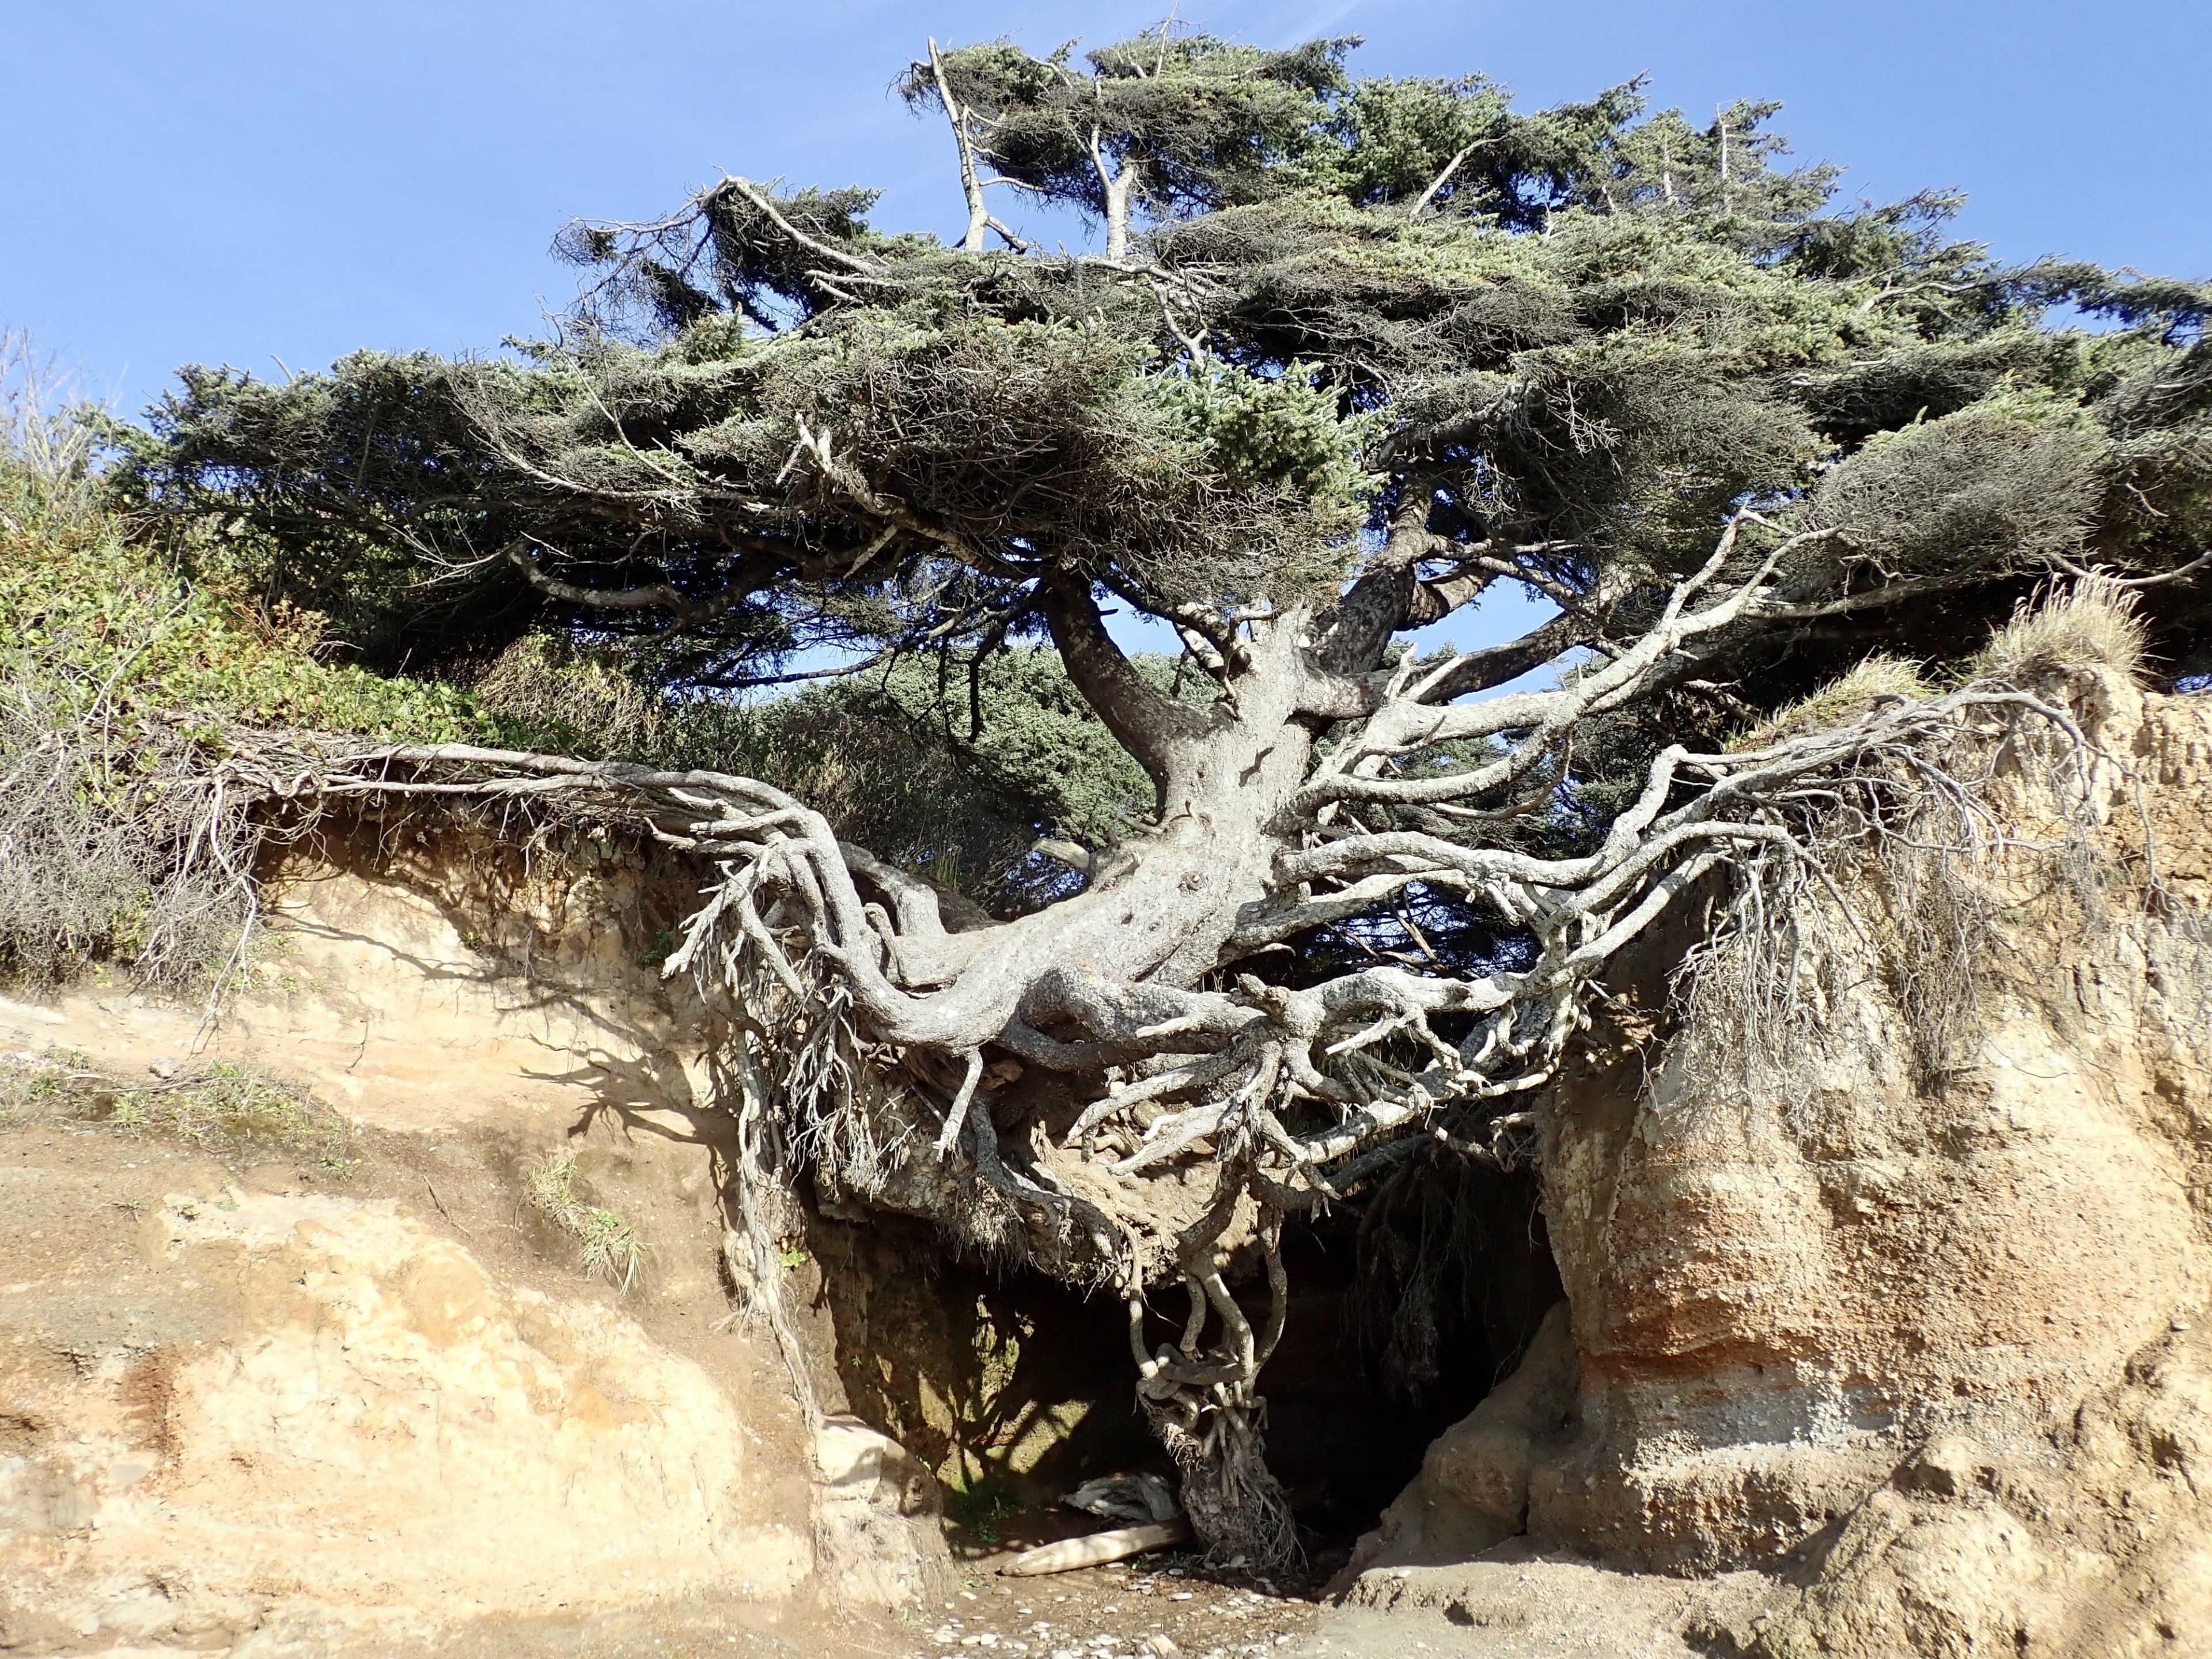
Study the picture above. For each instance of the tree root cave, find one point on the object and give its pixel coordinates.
(1013, 1388)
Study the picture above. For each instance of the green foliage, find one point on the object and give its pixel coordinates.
(268, 527)
(2009, 482)
(1200, 122)
(954, 786)
(153, 671)
(1036, 742)
(104, 627)
(744, 263)
(1587, 333)
(1394, 139)
(546, 692)
(1460, 145)
(121, 681)
(954, 780)
(1285, 433)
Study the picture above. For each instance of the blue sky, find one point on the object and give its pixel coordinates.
(238, 180)
(224, 179)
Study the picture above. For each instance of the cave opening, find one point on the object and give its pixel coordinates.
(1408, 1306)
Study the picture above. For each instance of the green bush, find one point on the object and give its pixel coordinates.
(107, 628)
(123, 680)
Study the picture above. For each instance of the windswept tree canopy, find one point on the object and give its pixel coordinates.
(1356, 352)
(1566, 343)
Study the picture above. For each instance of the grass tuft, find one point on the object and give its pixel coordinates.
(231, 1110)
(609, 1245)
(2094, 622)
(1878, 676)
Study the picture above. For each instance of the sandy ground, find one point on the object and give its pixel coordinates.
(1158, 1606)
(1513, 1607)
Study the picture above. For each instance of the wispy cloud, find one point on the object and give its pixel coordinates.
(1320, 20)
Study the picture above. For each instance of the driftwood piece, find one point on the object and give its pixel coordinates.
(1095, 1550)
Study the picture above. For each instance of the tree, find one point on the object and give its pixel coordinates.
(1355, 354)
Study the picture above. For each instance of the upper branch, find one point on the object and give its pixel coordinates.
(767, 208)
(1214, 630)
(1147, 722)
(1409, 721)
(753, 572)
(1494, 665)
(971, 183)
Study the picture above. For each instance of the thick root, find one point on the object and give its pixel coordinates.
(1235, 1505)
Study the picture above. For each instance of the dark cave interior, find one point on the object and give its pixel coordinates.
(1408, 1305)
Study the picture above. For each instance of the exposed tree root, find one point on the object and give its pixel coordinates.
(872, 1041)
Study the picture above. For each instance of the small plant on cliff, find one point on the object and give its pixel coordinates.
(26, 1083)
(1353, 355)
(610, 1246)
(232, 1103)
(234, 1111)
(2095, 622)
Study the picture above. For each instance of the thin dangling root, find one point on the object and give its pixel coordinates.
(1200, 1400)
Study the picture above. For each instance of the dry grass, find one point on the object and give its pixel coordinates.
(2092, 622)
(233, 1111)
(1953, 857)
(37, 425)
(610, 1250)
(1934, 859)
(1879, 676)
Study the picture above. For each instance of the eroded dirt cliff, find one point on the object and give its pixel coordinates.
(284, 1380)
(1920, 1348)
(1904, 1357)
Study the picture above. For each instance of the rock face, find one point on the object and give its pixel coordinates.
(252, 1401)
(310, 1407)
(1927, 1348)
